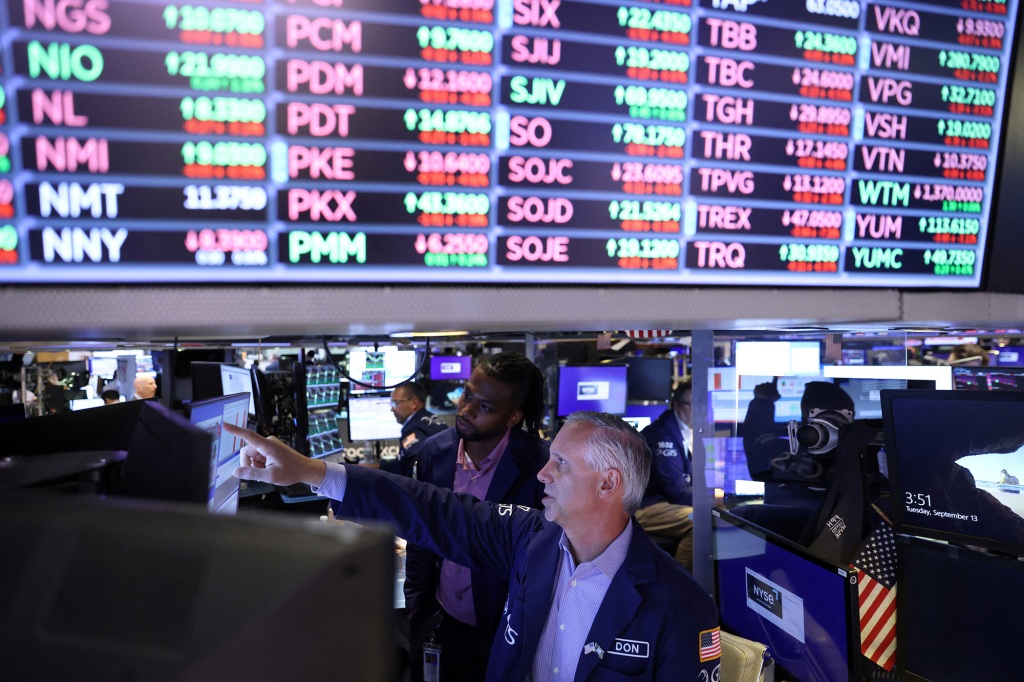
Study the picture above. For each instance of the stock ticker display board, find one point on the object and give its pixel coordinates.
(801, 142)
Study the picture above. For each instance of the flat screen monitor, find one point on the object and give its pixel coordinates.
(103, 366)
(955, 463)
(206, 381)
(867, 394)
(778, 358)
(450, 367)
(1008, 356)
(85, 403)
(640, 415)
(137, 590)
(648, 378)
(210, 415)
(168, 457)
(988, 378)
(774, 592)
(235, 379)
(376, 369)
(370, 418)
(957, 613)
(597, 388)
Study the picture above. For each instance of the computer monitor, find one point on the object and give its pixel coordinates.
(168, 457)
(957, 613)
(370, 417)
(235, 379)
(988, 378)
(85, 403)
(450, 367)
(775, 592)
(598, 388)
(136, 590)
(778, 358)
(210, 416)
(867, 394)
(955, 462)
(648, 378)
(206, 381)
(376, 369)
(103, 366)
(643, 413)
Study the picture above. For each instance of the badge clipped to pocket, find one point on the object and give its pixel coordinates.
(431, 663)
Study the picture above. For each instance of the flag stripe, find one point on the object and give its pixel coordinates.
(876, 596)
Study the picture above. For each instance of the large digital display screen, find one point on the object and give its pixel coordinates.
(501, 141)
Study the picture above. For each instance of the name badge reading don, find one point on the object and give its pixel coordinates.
(633, 648)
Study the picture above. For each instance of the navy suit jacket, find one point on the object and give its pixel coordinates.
(415, 432)
(515, 482)
(671, 467)
(650, 626)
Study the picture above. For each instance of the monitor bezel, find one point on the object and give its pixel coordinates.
(625, 397)
(901, 521)
(851, 599)
(360, 395)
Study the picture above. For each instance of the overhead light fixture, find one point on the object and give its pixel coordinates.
(417, 335)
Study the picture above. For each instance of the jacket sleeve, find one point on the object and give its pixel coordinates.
(690, 654)
(458, 527)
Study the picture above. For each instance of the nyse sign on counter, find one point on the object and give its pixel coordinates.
(847, 142)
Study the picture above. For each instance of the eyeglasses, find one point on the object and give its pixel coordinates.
(394, 403)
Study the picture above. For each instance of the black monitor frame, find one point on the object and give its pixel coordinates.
(905, 522)
(355, 397)
(848, 574)
(933, 629)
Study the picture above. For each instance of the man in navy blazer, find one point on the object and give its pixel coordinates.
(590, 596)
(668, 501)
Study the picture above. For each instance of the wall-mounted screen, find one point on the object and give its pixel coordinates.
(700, 142)
(595, 388)
(955, 460)
(450, 367)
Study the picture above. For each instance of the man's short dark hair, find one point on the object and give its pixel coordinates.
(680, 390)
(414, 389)
(111, 394)
(516, 370)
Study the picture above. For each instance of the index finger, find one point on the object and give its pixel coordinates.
(248, 435)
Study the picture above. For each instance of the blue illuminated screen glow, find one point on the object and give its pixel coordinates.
(596, 388)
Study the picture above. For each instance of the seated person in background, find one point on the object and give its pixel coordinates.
(668, 500)
(110, 396)
(764, 440)
(590, 597)
(490, 456)
(408, 404)
(968, 355)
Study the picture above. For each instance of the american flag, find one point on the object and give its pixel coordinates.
(876, 588)
(647, 333)
(710, 644)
